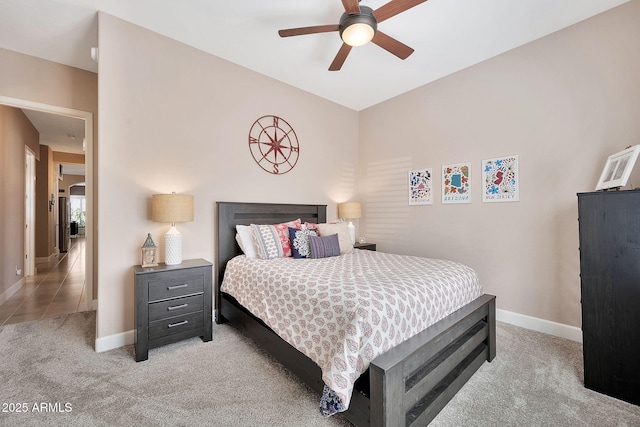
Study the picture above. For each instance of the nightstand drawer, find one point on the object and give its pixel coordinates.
(176, 284)
(175, 325)
(175, 307)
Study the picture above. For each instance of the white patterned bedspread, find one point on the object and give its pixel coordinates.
(342, 312)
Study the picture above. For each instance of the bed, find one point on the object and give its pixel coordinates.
(407, 385)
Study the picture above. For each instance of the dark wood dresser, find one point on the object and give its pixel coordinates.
(173, 302)
(609, 224)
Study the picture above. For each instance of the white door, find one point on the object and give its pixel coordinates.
(30, 214)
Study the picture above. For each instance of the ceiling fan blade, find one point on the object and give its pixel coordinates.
(308, 30)
(340, 57)
(393, 8)
(392, 45)
(351, 6)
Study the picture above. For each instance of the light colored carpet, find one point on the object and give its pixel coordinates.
(535, 379)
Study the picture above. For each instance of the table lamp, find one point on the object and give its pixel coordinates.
(349, 211)
(172, 208)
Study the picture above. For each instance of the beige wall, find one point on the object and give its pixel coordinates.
(563, 103)
(67, 181)
(16, 132)
(36, 80)
(173, 118)
(33, 79)
(74, 158)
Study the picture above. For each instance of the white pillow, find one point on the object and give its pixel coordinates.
(244, 237)
(339, 228)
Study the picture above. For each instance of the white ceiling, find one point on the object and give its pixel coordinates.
(447, 35)
(61, 133)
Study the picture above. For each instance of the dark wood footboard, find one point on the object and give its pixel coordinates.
(413, 381)
(408, 385)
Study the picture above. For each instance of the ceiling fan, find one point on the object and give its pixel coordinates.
(359, 26)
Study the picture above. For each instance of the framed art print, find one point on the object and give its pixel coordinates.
(420, 187)
(500, 179)
(456, 183)
(618, 168)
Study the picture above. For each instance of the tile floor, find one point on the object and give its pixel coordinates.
(57, 288)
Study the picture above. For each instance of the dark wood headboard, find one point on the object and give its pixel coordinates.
(230, 214)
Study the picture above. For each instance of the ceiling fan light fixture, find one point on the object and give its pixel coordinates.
(359, 26)
(358, 29)
(357, 34)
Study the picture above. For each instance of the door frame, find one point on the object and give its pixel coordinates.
(89, 177)
(29, 213)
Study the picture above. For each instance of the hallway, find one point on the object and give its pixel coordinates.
(58, 288)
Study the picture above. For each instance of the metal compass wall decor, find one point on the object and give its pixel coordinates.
(274, 144)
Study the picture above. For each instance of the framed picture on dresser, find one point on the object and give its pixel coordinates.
(618, 168)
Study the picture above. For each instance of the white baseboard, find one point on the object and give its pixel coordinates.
(545, 326)
(93, 306)
(114, 341)
(12, 290)
(47, 258)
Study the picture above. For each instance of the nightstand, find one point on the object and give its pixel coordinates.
(173, 302)
(365, 246)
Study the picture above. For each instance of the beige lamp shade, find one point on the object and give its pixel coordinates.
(349, 210)
(172, 208)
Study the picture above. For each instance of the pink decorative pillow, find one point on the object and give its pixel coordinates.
(283, 233)
(310, 226)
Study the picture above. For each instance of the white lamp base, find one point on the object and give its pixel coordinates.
(352, 232)
(173, 247)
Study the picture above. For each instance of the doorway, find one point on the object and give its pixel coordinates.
(87, 242)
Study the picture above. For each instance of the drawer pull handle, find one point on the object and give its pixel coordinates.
(173, 325)
(176, 307)
(171, 288)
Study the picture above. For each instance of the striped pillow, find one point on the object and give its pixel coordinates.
(267, 241)
(324, 246)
